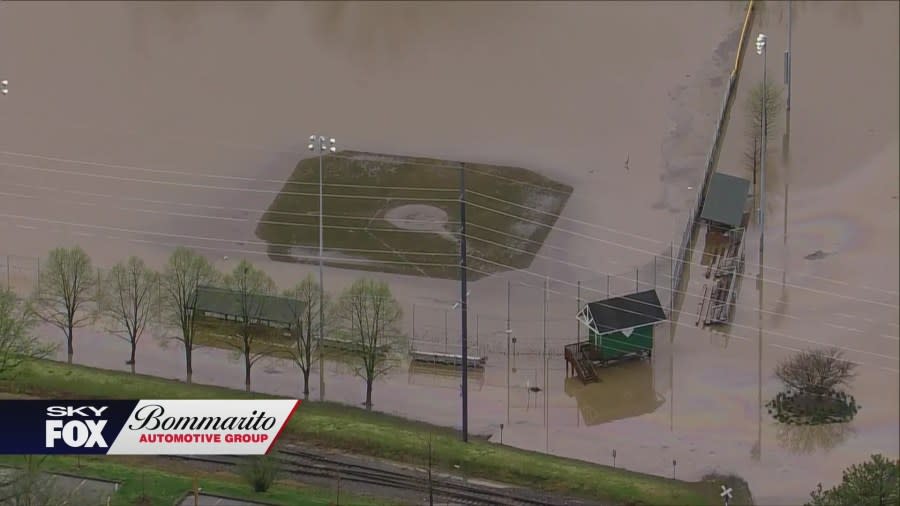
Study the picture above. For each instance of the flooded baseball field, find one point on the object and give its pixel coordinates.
(132, 128)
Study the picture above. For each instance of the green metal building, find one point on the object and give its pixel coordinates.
(623, 326)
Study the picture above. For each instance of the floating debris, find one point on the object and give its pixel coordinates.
(817, 255)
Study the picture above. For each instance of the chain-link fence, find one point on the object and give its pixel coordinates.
(19, 273)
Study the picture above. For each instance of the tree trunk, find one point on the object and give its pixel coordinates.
(71, 347)
(133, 351)
(306, 384)
(189, 369)
(247, 366)
(369, 394)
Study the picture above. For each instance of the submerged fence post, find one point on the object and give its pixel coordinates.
(578, 323)
(636, 277)
(8, 284)
(672, 279)
(607, 286)
(477, 320)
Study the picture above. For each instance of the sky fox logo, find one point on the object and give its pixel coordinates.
(76, 433)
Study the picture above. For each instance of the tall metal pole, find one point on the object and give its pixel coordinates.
(463, 274)
(578, 323)
(789, 55)
(321, 283)
(508, 335)
(762, 166)
(546, 381)
(323, 146)
(788, 63)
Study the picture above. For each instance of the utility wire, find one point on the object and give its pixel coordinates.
(404, 253)
(533, 209)
(433, 165)
(366, 261)
(226, 188)
(733, 325)
(473, 204)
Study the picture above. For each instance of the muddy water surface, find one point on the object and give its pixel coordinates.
(192, 114)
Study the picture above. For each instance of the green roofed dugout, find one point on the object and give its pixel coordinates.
(264, 309)
(725, 200)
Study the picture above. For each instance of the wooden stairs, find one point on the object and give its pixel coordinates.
(581, 362)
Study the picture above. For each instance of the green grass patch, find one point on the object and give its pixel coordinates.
(385, 436)
(360, 188)
(157, 480)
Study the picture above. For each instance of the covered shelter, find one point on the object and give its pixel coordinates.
(726, 199)
(268, 310)
(623, 326)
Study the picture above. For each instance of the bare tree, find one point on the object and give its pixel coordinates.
(130, 295)
(773, 107)
(369, 314)
(815, 372)
(305, 326)
(67, 291)
(250, 286)
(17, 344)
(184, 273)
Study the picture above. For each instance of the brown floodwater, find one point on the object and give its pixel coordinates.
(131, 128)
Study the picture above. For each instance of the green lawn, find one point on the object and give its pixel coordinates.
(386, 436)
(142, 477)
(359, 223)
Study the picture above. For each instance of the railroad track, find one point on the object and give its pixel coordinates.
(456, 491)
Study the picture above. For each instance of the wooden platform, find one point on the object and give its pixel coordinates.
(447, 359)
(346, 345)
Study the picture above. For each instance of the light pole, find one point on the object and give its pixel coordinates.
(787, 124)
(322, 146)
(508, 336)
(464, 302)
(761, 49)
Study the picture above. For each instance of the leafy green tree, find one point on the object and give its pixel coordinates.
(250, 285)
(16, 341)
(130, 295)
(872, 483)
(67, 292)
(184, 273)
(369, 314)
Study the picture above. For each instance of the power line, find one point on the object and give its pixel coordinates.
(788, 336)
(366, 261)
(218, 176)
(213, 239)
(310, 214)
(411, 253)
(538, 223)
(225, 188)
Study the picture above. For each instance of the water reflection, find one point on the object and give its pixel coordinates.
(624, 391)
(442, 376)
(806, 439)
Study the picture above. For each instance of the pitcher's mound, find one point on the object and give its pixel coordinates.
(419, 217)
